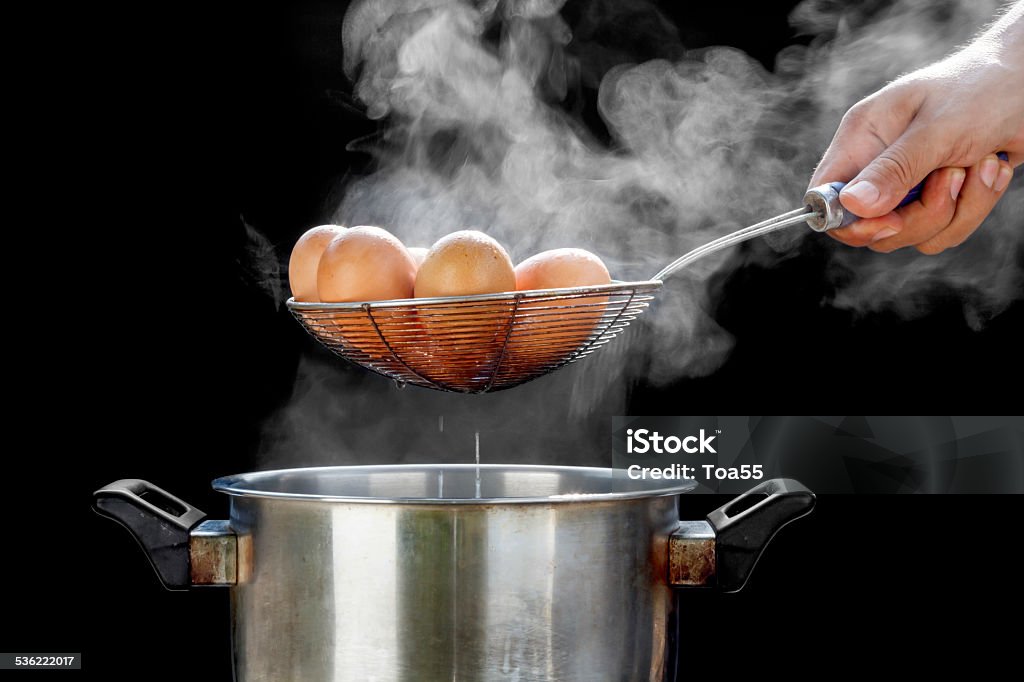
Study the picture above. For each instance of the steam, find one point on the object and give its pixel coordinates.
(866, 52)
(701, 145)
(483, 130)
(259, 264)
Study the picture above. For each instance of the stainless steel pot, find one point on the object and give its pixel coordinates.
(423, 573)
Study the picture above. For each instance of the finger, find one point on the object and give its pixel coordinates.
(1005, 176)
(891, 231)
(854, 145)
(930, 215)
(868, 230)
(982, 190)
(844, 158)
(883, 184)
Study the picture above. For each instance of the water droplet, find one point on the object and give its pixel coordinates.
(477, 438)
(400, 384)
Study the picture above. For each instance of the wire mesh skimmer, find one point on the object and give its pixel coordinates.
(490, 342)
(476, 344)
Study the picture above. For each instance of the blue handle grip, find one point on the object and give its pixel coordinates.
(913, 195)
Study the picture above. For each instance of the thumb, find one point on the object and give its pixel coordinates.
(883, 184)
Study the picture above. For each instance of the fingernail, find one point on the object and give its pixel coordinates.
(863, 191)
(989, 171)
(884, 234)
(956, 183)
(1005, 175)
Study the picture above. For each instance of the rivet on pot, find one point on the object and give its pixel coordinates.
(213, 552)
(691, 555)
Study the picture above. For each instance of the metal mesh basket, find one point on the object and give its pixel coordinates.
(476, 344)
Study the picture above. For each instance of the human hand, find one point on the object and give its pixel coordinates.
(944, 123)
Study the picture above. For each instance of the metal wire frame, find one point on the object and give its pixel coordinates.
(476, 344)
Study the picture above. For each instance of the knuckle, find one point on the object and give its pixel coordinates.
(895, 166)
(961, 149)
(940, 210)
(900, 101)
(961, 239)
(961, 230)
(910, 92)
(932, 247)
(858, 116)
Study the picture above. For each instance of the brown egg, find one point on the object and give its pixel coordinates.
(463, 341)
(559, 268)
(305, 259)
(465, 263)
(365, 264)
(418, 254)
(547, 332)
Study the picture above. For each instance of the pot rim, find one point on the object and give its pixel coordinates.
(247, 484)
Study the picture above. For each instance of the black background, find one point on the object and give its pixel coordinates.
(166, 126)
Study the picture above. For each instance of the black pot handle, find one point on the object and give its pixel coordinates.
(745, 526)
(159, 521)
